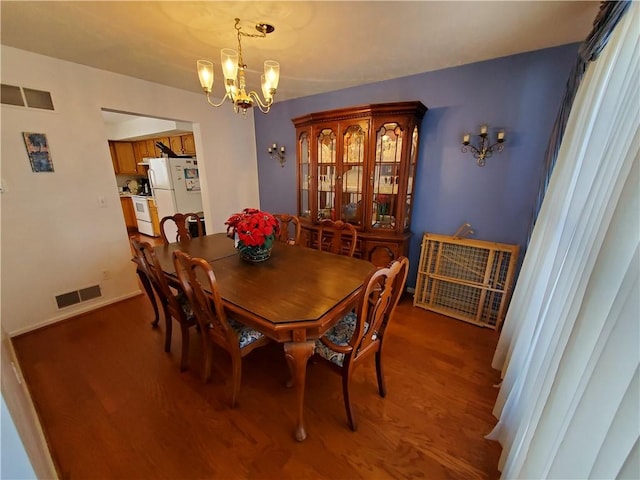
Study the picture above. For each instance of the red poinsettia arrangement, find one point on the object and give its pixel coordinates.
(255, 229)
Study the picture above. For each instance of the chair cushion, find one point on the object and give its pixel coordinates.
(185, 305)
(340, 334)
(246, 335)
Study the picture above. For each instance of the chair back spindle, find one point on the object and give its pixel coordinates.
(197, 278)
(180, 222)
(337, 237)
(289, 228)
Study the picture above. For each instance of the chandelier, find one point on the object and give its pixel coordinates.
(233, 68)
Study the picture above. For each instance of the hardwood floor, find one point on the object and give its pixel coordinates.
(114, 405)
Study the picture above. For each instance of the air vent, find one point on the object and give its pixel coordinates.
(68, 299)
(90, 293)
(12, 95)
(71, 298)
(38, 99)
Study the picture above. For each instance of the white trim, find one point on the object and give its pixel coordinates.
(75, 313)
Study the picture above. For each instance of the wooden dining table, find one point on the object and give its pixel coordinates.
(294, 297)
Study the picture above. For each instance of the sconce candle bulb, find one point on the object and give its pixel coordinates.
(484, 149)
(277, 155)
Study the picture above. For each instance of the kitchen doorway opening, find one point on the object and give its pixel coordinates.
(155, 168)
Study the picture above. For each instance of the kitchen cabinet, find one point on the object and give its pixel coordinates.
(147, 148)
(358, 165)
(114, 161)
(165, 141)
(123, 158)
(188, 144)
(141, 150)
(155, 221)
(129, 214)
(183, 144)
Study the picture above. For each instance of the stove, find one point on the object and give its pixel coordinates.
(143, 215)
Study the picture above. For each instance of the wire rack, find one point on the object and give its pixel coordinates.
(467, 279)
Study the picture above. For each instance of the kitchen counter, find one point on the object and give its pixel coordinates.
(127, 194)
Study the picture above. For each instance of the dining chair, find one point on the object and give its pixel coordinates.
(337, 237)
(289, 228)
(180, 220)
(201, 287)
(174, 304)
(360, 333)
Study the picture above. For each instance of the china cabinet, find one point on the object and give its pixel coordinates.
(358, 165)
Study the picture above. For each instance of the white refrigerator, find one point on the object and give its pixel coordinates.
(175, 185)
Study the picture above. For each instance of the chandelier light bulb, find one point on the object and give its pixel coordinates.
(229, 61)
(272, 73)
(205, 74)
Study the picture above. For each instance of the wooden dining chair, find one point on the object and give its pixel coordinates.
(201, 287)
(360, 333)
(180, 221)
(337, 237)
(174, 304)
(289, 228)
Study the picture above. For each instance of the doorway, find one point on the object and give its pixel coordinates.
(133, 140)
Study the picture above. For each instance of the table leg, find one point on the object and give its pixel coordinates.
(297, 354)
(152, 298)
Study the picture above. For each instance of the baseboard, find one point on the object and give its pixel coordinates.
(74, 313)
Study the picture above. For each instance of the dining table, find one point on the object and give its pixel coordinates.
(293, 297)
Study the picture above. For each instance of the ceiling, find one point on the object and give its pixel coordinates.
(321, 45)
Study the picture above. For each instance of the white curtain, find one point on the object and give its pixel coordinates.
(569, 352)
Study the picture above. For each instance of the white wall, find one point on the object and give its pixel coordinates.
(55, 238)
(16, 464)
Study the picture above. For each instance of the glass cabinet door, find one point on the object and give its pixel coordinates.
(303, 206)
(386, 172)
(412, 174)
(353, 155)
(326, 174)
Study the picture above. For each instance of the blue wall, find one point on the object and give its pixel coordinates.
(520, 94)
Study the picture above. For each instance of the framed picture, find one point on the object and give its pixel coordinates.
(38, 151)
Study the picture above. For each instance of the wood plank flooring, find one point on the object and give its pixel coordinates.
(114, 405)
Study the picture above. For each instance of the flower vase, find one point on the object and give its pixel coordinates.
(255, 254)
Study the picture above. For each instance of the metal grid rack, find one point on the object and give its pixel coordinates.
(467, 279)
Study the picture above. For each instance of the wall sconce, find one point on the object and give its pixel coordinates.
(277, 153)
(484, 150)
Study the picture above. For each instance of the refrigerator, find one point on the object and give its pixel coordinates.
(175, 185)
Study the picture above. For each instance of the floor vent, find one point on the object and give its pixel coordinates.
(90, 293)
(71, 298)
(20, 96)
